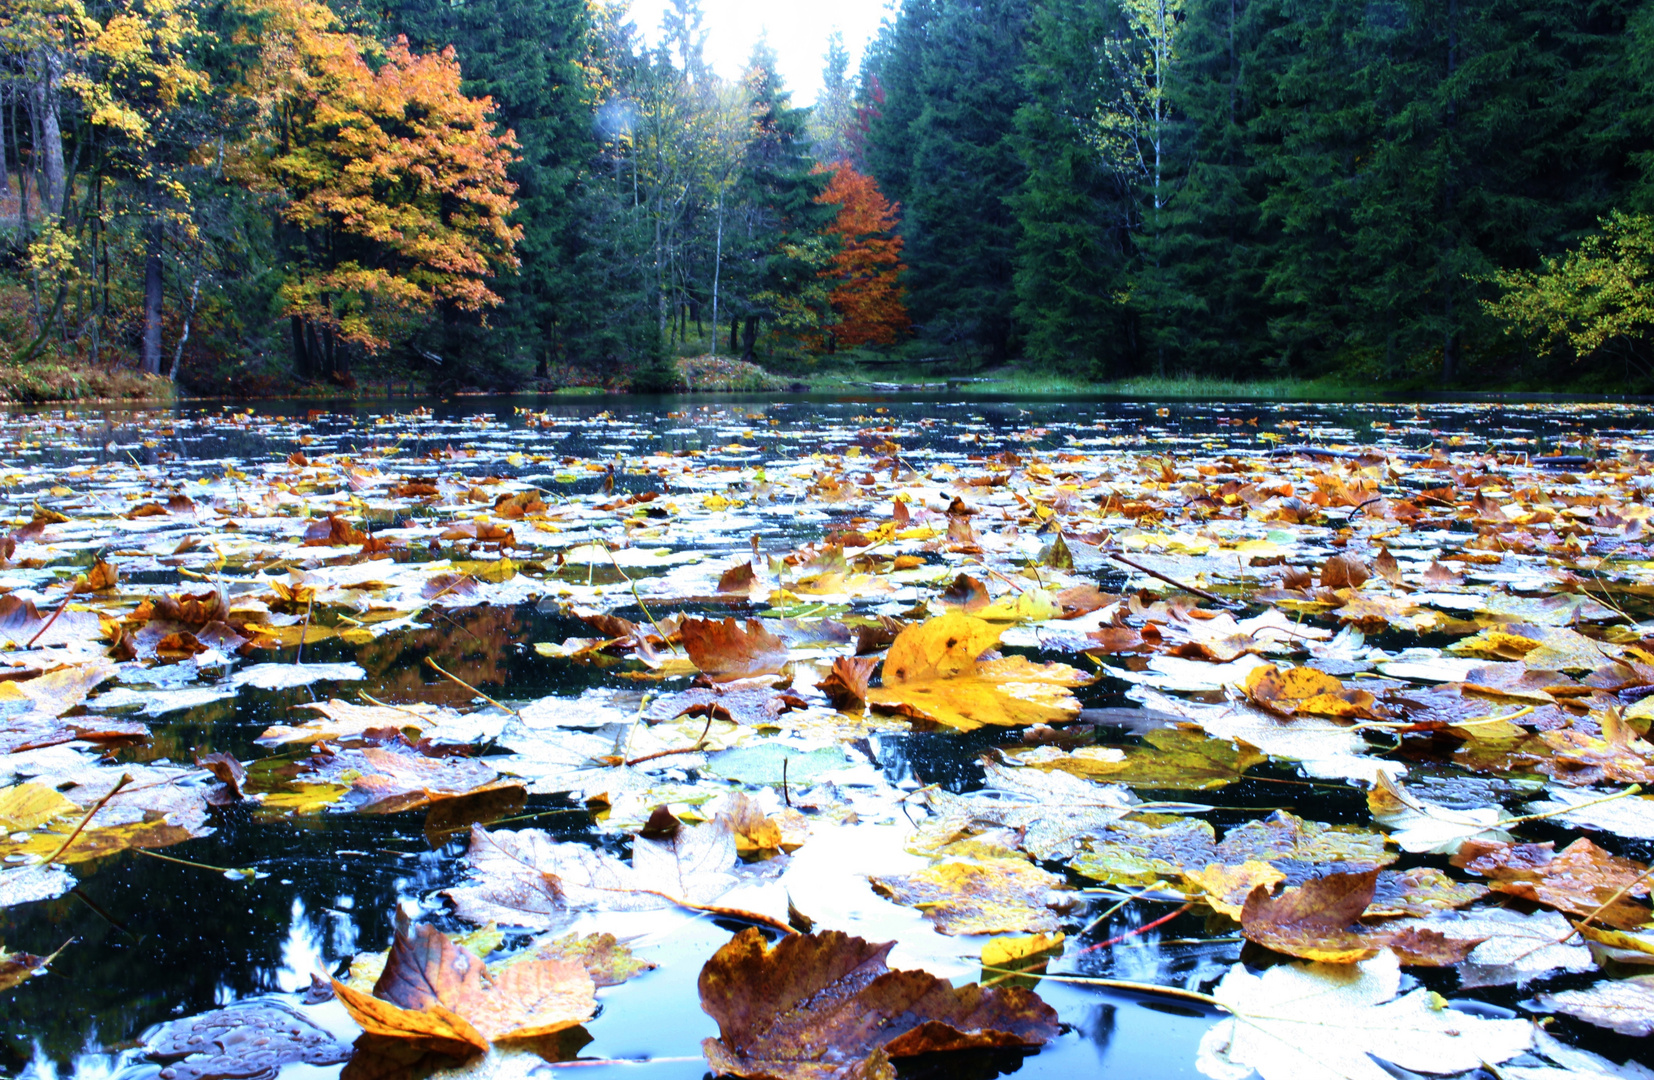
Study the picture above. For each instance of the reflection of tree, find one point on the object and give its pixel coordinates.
(473, 643)
(189, 939)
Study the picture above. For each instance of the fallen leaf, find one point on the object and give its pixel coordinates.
(1582, 878)
(17, 968)
(1147, 848)
(26, 806)
(342, 719)
(1226, 889)
(826, 1007)
(1329, 1021)
(1306, 691)
(726, 651)
(1419, 825)
(980, 896)
(1314, 920)
(1175, 759)
(933, 672)
(846, 684)
(253, 1039)
(442, 996)
(1622, 1005)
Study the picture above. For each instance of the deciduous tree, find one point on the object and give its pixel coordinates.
(866, 270)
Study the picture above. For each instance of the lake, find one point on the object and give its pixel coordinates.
(516, 594)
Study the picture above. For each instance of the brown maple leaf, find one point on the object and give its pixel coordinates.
(826, 1007)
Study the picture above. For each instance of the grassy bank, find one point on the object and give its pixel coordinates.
(56, 380)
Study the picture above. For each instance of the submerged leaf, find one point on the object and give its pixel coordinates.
(1176, 759)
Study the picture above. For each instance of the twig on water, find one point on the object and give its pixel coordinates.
(1168, 579)
(434, 666)
(126, 778)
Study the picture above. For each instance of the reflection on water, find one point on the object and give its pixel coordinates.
(156, 940)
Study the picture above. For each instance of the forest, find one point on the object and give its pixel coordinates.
(244, 196)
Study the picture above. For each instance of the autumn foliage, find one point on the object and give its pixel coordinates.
(395, 179)
(868, 266)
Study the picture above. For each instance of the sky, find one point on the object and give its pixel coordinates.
(797, 31)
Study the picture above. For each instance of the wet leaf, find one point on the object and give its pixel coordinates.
(846, 684)
(981, 896)
(1313, 921)
(246, 1040)
(17, 968)
(1622, 1005)
(1420, 825)
(933, 672)
(1329, 1021)
(608, 962)
(724, 650)
(441, 996)
(1582, 878)
(1175, 759)
(1306, 691)
(25, 806)
(1226, 889)
(1147, 848)
(826, 1007)
(1285, 836)
(29, 884)
(342, 719)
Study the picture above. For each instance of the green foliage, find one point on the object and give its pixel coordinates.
(1594, 299)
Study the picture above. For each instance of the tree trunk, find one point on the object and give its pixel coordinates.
(183, 338)
(301, 354)
(717, 265)
(48, 151)
(313, 345)
(149, 355)
(749, 339)
(734, 329)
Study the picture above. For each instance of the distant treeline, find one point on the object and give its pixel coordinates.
(236, 191)
(242, 191)
(1273, 186)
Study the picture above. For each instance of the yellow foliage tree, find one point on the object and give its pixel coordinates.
(393, 183)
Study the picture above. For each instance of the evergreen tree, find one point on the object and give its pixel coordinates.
(1073, 212)
(945, 147)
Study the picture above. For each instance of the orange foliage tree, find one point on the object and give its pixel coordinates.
(868, 266)
(392, 183)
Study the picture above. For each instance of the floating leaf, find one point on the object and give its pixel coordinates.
(1313, 921)
(252, 1039)
(726, 651)
(441, 996)
(1175, 759)
(16, 968)
(983, 896)
(826, 1007)
(1581, 878)
(1306, 691)
(1622, 1005)
(933, 672)
(1420, 825)
(1329, 1021)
